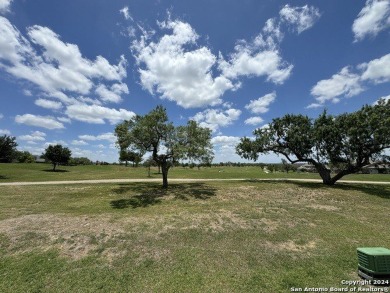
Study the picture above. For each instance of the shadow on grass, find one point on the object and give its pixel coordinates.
(147, 194)
(3, 177)
(55, 171)
(382, 191)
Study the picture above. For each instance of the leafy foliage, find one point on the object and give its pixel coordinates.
(25, 157)
(346, 142)
(8, 150)
(128, 155)
(167, 143)
(57, 154)
(80, 161)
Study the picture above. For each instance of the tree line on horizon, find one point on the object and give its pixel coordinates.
(335, 145)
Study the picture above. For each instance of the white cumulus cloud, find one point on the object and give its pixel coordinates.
(47, 122)
(78, 142)
(48, 104)
(214, 119)
(5, 132)
(225, 140)
(246, 62)
(57, 67)
(344, 83)
(261, 105)
(254, 120)
(373, 18)
(351, 81)
(64, 119)
(377, 70)
(261, 57)
(113, 94)
(300, 18)
(177, 73)
(33, 136)
(97, 114)
(109, 136)
(5, 6)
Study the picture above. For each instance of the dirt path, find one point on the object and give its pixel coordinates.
(176, 180)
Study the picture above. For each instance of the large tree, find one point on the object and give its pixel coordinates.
(167, 143)
(8, 150)
(57, 154)
(346, 142)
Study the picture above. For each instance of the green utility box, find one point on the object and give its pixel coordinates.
(374, 262)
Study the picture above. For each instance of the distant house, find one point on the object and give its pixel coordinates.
(377, 168)
(38, 159)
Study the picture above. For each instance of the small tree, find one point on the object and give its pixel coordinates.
(25, 157)
(8, 150)
(128, 155)
(348, 141)
(57, 154)
(167, 143)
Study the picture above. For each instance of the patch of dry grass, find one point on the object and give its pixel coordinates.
(230, 237)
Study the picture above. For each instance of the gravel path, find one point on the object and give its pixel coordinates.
(177, 180)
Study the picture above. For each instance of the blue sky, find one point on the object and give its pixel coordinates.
(71, 70)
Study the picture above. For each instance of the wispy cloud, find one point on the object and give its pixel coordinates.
(126, 13)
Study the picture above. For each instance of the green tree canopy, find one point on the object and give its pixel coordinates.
(8, 150)
(129, 155)
(25, 157)
(168, 144)
(57, 154)
(346, 142)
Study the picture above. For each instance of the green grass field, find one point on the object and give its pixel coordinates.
(195, 237)
(42, 172)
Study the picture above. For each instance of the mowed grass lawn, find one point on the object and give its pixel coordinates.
(228, 236)
(43, 172)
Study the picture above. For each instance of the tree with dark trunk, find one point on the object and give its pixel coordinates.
(168, 144)
(8, 150)
(57, 154)
(347, 142)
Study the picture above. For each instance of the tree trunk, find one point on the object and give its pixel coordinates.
(341, 174)
(165, 169)
(54, 166)
(325, 174)
(326, 177)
